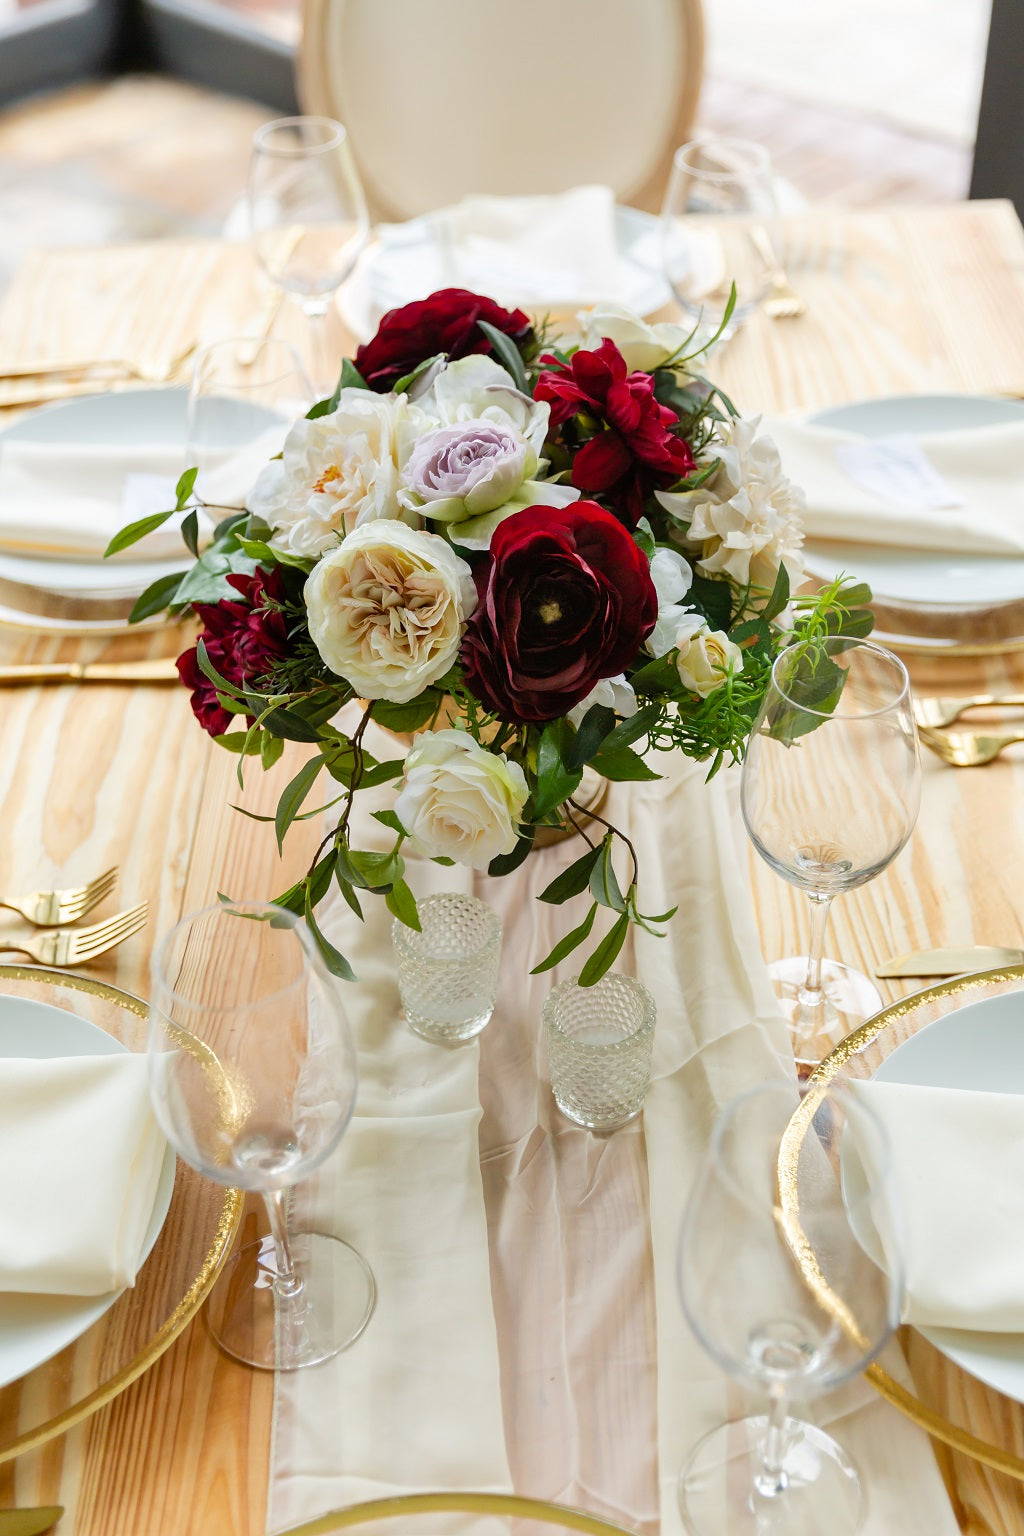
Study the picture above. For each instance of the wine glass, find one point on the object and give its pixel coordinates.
(253, 1076)
(791, 1276)
(243, 398)
(713, 179)
(830, 791)
(307, 213)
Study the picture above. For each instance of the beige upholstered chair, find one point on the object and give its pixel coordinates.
(443, 98)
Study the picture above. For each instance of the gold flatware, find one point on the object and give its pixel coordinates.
(967, 749)
(782, 301)
(162, 671)
(79, 945)
(52, 909)
(943, 710)
(30, 1522)
(951, 962)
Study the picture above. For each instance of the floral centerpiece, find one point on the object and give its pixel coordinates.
(537, 555)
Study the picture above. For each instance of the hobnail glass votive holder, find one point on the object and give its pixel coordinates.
(599, 1041)
(448, 972)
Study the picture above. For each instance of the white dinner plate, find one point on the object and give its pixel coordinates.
(981, 1047)
(409, 264)
(33, 1328)
(125, 417)
(928, 578)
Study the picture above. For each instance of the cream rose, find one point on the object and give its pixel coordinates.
(645, 347)
(387, 609)
(706, 657)
(336, 472)
(460, 801)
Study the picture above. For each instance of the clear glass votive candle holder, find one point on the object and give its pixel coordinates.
(448, 972)
(599, 1041)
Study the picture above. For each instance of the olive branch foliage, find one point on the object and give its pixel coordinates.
(299, 699)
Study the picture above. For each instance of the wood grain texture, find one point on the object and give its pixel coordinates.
(902, 301)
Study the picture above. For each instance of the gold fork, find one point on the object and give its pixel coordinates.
(782, 301)
(941, 711)
(967, 749)
(52, 909)
(81, 944)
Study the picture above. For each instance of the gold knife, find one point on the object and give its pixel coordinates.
(951, 962)
(29, 1522)
(162, 671)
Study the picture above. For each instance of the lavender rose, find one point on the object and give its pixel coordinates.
(461, 471)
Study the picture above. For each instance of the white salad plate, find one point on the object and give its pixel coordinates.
(980, 1047)
(408, 262)
(34, 1328)
(929, 578)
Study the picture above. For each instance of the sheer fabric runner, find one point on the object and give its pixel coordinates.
(528, 1333)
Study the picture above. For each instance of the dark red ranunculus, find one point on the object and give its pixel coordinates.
(566, 599)
(636, 452)
(445, 322)
(243, 638)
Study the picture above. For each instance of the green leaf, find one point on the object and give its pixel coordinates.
(381, 773)
(316, 882)
(622, 764)
(401, 387)
(190, 532)
(656, 678)
(606, 953)
(555, 781)
(133, 532)
(505, 863)
(157, 596)
(572, 880)
(604, 887)
(780, 596)
(713, 599)
(290, 724)
(507, 353)
(184, 488)
(347, 890)
(333, 958)
(389, 819)
(635, 726)
(351, 378)
(406, 717)
(566, 945)
(207, 581)
(597, 724)
(293, 795)
(374, 871)
(241, 743)
(643, 537)
(271, 748)
(401, 903)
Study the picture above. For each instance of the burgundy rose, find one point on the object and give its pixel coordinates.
(243, 638)
(445, 322)
(636, 452)
(566, 598)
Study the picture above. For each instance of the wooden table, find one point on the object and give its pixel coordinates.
(913, 301)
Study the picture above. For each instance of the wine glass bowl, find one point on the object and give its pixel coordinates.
(253, 1076)
(790, 1275)
(830, 794)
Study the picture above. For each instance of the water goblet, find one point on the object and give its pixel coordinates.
(253, 1078)
(714, 179)
(830, 791)
(790, 1275)
(243, 398)
(308, 215)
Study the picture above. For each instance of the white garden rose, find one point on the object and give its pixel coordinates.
(672, 578)
(387, 609)
(336, 472)
(748, 520)
(706, 656)
(645, 347)
(458, 800)
(613, 692)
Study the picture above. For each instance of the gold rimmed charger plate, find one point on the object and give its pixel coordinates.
(172, 1284)
(859, 1055)
(400, 1516)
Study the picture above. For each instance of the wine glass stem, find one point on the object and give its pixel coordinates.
(812, 995)
(772, 1480)
(287, 1284)
(323, 370)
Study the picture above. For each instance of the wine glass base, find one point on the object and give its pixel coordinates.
(814, 1028)
(718, 1495)
(251, 1323)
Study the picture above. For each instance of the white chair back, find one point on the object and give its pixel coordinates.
(444, 98)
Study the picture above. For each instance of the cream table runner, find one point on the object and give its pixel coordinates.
(531, 1315)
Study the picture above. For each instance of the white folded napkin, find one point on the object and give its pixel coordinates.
(958, 1162)
(961, 490)
(547, 250)
(81, 1153)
